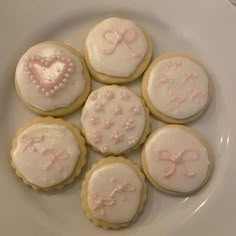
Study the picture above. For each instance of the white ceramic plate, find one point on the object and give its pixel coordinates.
(204, 29)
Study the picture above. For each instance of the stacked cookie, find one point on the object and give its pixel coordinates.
(52, 80)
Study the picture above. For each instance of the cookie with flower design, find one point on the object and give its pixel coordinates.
(176, 88)
(117, 51)
(114, 120)
(177, 160)
(48, 153)
(113, 192)
(52, 79)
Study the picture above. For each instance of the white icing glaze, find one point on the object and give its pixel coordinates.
(71, 86)
(36, 160)
(175, 140)
(178, 87)
(113, 124)
(125, 57)
(121, 205)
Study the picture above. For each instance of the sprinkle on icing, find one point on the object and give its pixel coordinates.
(117, 110)
(128, 124)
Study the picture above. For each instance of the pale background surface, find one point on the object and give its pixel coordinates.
(203, 29)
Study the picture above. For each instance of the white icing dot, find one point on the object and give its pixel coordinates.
(56, 88)
(58, 57)
(67, 75)
(32, 77)
(38, 87)
(65, 81)
(47, 94)
(42, 90)
(34, 82)
(71, 64)
(52, 91)
(61, 85)
(70, 70)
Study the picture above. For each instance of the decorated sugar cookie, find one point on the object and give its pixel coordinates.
(52, 79)
(176, 89)
(114, 120)
(117, 51)
(48, 153)
(113, 192)
(177, 160)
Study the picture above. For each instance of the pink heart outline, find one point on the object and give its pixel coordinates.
(49, 86)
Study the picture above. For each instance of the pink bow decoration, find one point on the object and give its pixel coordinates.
(54, 158)
(177, 159)
(125, 38)
(31, 141)
(99, 203)
(121, 188)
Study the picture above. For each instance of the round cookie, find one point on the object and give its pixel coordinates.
(48, 153)
(176, 160)
(176, 88)
(113, 192)
(114, 120)
(52, 79)
(117, 51)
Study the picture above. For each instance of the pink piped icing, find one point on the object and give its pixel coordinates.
(31, 141)
(177, 159)
(116, 38)
(49, 74)
(117, 110)
(117, 137)
(128, 124)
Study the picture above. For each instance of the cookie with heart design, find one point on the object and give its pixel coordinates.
(113, 192)
(48, 153)
(117, 51)
(52, 79)
(176, 88)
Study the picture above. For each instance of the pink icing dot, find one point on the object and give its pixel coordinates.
(97, 137)
(117, 137)
(94, 95)
(117, 110)
(107, 124)
(124, 95)
(128, 124)
(135, 110)
(108, 95)
(98, 107)
(132, 140)
(94, 120)
(105, 149)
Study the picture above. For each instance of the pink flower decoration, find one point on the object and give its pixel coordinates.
(189, 77)
(117, 110)
(97, 137)
(109, 95)
(135, 110)
(117, 137)
(94, 95)
(132, 140)
(98, 107)
(107, 124)
(94, 120)
(128, 124)
(124, 95)
(164, 80)
(176, 100)
(105, 149)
